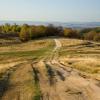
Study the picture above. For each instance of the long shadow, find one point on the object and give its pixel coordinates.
(35, 75)
(60, 75)
(38, 95)
(4, 80)
(51, 74)
(4, 83)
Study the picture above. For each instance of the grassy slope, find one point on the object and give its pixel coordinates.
(27, 85)
(11, 59)
(81, 55)
(31, 49)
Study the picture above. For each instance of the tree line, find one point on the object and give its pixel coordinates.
(27, 32)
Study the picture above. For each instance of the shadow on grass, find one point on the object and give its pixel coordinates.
(38, 95)
(51, 74)
(4, 79)
(60, 75)
(4, 83)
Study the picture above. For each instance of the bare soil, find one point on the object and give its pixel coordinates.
(54, 76)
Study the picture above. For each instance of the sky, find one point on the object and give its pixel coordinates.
(50, 10)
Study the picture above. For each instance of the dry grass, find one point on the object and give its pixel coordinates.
(28, 46)
(88, 65)
(22, 88)
(13, 55)
(79, 48)
(38, 78)
(82, 55)
(29, 50)
(70, 42)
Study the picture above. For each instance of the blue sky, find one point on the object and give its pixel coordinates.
(50, 10)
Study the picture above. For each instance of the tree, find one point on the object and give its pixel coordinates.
(24, 34)
(51, 30)
(32, 32)
(15, 28)
(41, 30)
(0, 29)
(97, 37)
(7, 28)
(85, 30)
(90, 35)
(59, 31)
(70, 33)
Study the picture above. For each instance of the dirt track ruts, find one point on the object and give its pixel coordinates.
(56, 81)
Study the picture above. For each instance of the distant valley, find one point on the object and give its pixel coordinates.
(76, 25)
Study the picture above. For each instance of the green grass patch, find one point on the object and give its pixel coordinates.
(37, 95)
(35, 53)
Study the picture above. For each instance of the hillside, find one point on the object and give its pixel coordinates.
(50, 69)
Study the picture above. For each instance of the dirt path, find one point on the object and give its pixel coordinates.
(50, 79)
(58, 44)
(68, 84)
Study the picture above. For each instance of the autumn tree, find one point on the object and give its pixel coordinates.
(41, 31)
(24, 34)
(97, 37)
(90, 35)
(59, 31)
(15, 28)
(70, 33)
(0, 29)
(50, 30)
(32, 32)
(7, 28)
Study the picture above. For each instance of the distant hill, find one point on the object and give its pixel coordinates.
(66, 24)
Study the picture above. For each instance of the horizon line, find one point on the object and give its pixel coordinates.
(52, 21)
